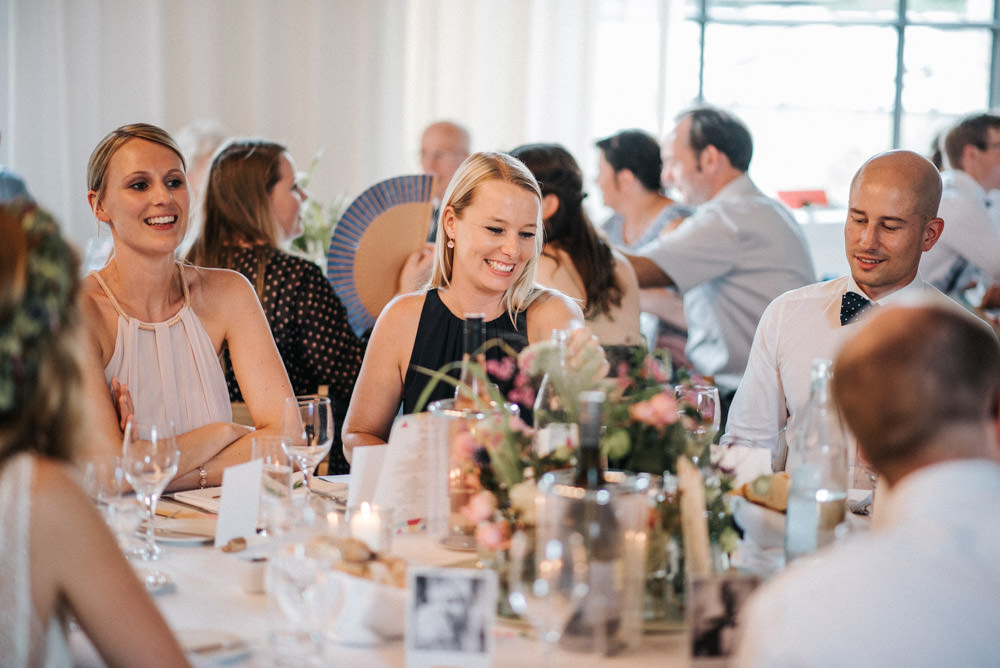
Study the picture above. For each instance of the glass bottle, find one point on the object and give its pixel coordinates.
(595, 625)
(472, 391)
(553, 412)
(817, 464)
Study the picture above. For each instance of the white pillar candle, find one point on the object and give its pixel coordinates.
(366, 525)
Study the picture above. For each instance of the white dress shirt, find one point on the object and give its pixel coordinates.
(922, 589)
(729, 259)
(796, 328)
(970, 237)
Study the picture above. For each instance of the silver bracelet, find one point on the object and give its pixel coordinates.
(202, 477)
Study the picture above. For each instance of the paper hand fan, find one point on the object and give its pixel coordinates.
(377, 232)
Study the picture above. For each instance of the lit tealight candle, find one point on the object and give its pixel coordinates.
(366, 525)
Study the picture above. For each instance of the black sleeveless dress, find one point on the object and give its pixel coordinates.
(439, 341)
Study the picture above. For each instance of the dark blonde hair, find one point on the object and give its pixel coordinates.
(41, 382)
(237, 208)
(100, 158)
(480, 168)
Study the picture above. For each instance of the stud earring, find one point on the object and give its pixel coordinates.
(451, 244)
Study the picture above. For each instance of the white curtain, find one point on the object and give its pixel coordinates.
(355, 79)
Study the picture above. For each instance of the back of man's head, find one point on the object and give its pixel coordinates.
(724, 131)
(911, 376)
(970, 131)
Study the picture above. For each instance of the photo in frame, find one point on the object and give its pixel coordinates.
(714, 605)
(449, 617)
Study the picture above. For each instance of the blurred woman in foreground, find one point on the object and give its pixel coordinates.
(58, 558)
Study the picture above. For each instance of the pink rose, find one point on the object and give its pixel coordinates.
(501, 369)
(481, 506)
(665, 408)
(493, 535)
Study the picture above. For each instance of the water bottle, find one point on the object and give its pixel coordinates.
(817, 464)
(554, 414)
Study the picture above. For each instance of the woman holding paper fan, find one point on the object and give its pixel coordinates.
(252, 208)
(485, 257)
(157, 326)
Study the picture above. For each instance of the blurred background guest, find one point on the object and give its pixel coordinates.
(485, 261)
(157, 328)
(968, 254)
(729, 259)
(59, 560)
(921, 588)
(575, 259)
(444, 145)
(252, 209)
(629, 173)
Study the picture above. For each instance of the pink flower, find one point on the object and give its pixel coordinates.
(501, 369)
(519, 426)
(464, 445)
(658, 411)
(651, 368)
(493, 535)
(481, 506)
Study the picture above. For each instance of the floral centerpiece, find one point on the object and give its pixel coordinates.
(647, 429)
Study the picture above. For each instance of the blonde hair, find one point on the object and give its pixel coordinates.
(480, 168)
(237, 207)
(41, 382)
(100, 158)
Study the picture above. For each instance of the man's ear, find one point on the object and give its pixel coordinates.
(932, 232)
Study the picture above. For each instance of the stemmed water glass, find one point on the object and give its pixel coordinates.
(149, 459)
(307, 423)
(547, 584)
(704, 399)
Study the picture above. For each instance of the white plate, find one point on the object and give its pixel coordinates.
(218, 646)
(184, 531)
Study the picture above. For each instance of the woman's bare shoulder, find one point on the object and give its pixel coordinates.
(217, 287)
(551, 310)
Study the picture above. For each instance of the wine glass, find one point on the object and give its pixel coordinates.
(307, 422)
(547, 583)
(149, 459)
(305, 596)
(704, 399)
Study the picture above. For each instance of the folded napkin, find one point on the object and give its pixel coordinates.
(206, 499)
(181, 528)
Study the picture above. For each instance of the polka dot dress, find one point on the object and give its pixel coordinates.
(310, 329)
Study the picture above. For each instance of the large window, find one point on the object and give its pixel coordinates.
(825, 84)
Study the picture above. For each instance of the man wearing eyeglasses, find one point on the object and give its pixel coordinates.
(969, 251)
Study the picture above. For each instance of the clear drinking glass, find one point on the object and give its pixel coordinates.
(307, 423)
(275, 481)
(304, 598)
(149, 459)
(547, 583)
(704, 399)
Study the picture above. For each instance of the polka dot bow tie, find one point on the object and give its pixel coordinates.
(851, 304)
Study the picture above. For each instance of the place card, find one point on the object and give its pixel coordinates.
(449, 617)
(414, 476)
(366, 467)
(239, 503)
